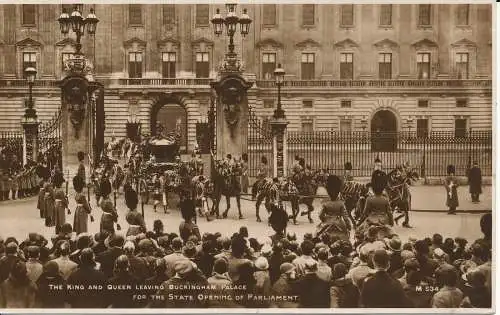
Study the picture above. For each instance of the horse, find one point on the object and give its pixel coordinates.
(301, 188)
(398, 191)
(269, 191)
(226, 183)
(117, 176)
(114, 146)
(354, 195)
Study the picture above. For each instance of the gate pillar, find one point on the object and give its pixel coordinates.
(231, 113)
(30, 125)
(81, 105)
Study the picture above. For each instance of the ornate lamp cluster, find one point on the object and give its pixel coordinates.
(279, 75)
(78, 24)
(30, 112)
(231, 22)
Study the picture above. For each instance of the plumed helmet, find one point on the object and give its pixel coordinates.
(379, 181)
(131, 198)
(348, 166)
(105, 186)
(80, 155)
(333, 184)
(78, 183)
(450, 169)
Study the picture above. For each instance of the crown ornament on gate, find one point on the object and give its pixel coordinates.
(79, 64)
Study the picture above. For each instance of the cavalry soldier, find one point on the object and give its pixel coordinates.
(377, 208)
(200, 196)
(334, 218)
(261, 175)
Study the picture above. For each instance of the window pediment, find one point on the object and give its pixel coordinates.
(346, 43)
(386, 43)
(28, 42)
(169, 43)
(464, 42)
(134, 43)
(308, 43)
(424, 43)
(202, 41)
(66, 42)
(269, 42)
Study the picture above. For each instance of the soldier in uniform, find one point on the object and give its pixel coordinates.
(60, 202)
(83, 210)
(109, 215)
(199, 183)
(133, 218)
(48, 206)
(16, 177)
(157, 186)
(377, 208)
(81, 166)
(244, 173)
(334, 218)
(451, 185)
(347, 172)
(261, 176)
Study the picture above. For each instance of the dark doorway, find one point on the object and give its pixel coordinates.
(166, 118)
(384, 133)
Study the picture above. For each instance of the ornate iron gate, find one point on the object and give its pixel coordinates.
(260, 142)
(11, 144)
(50, 141)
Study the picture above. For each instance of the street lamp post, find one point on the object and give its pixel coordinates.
(78, 23)
(278, 125)
(30, 119)
(231, 22)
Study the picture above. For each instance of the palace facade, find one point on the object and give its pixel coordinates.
(392, 67)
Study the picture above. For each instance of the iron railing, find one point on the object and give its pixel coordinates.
(165, 81)
(11, 144)
(50, 140)
(259, 143)
(429, 153)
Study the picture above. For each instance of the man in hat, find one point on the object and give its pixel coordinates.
(312, 291)
(87, 275)
(188, 227)
(380, 290)
(451, 185)
(187, 282)
(124, 277)
(285, 285)
(17, 291)
(475, 182)
(278, 221)
(174, 257)
(107, 259)
(137, 265)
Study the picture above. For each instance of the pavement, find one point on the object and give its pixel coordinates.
(19, 217)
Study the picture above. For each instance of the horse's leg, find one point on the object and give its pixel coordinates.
(295, 208)
(310, 209)
(406, 222)
(257, 207)
(238, 202)
(228, 205)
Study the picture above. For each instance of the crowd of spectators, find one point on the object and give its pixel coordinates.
(162, 270)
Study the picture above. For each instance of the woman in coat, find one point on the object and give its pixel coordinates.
(82, 211)
(451, 185)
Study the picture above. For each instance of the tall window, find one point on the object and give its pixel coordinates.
(307, 125)
(269, 14)
(385, 66)
(202, 65)
(423, 103)
(347, 15)
(385, 14)
(423, 65)
(135, 65)
(29, 14)
(422, 128)
(346, 66)
(29, 60)
(463, 14)
(461, 102)
(65, 57)
(168, 64)
(168, 14)
(307, 66)
(308, 14)
(345, 125)
(307, 103)
(424, 14)
(135, 14)
(202, 14)
(462, 65)
(268, 65)
(460, 127)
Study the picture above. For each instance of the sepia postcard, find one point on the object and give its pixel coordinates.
(247, 156)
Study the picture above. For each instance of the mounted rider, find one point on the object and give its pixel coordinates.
(200, 185)
(334, 218)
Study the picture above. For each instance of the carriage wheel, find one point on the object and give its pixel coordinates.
(143, 191)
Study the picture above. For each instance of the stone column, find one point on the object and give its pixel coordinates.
(278, 125)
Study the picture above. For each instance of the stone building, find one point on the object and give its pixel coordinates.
(348, 67)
